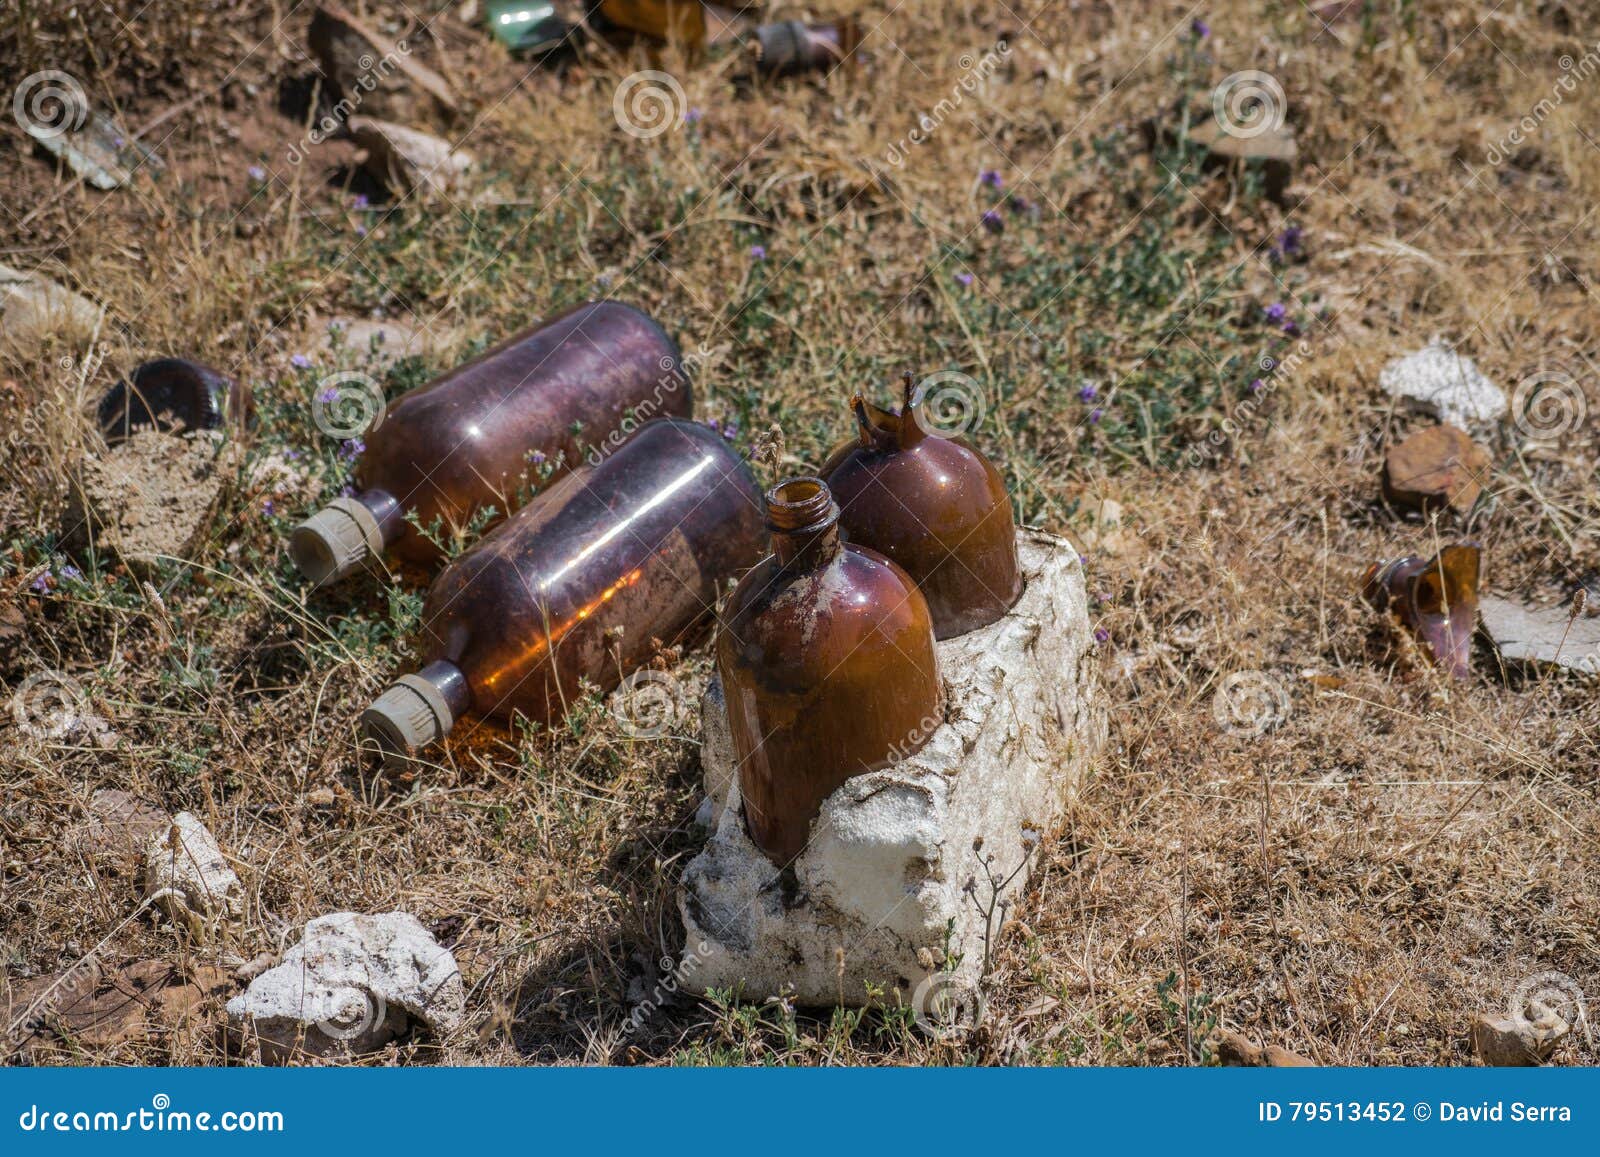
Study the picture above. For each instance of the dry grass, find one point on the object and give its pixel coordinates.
(1354, 884)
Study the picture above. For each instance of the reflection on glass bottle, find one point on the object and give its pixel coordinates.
(936, 506)
(586, 582)
(827, 661)
(556, 394)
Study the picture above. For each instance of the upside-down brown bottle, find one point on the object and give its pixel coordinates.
(827, 661)
(563, 391)
(585, 582)
(936, 506)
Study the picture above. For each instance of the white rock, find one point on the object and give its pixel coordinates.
(881, 893)
(34, 307)
(1440, 382)
(352, 984)
(188, 878)
(1542, 635)
(406, 158)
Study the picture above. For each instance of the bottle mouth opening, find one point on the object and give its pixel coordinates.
(800, 504)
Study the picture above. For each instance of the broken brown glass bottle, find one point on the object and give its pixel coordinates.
(933, 504)
(1434, 598)
(827, 661)
(575, 387)
(173, 394)
(587, 582)
(779, 48)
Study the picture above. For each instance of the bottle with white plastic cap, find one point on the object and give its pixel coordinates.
(580, 589)
(487, 432)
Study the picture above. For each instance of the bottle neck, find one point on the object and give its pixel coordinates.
(387, 512)
(804, 521)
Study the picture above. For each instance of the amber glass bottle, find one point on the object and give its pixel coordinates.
(586, 581)
(569, 389)
(936, 506)
(827, 663)
(172, 393)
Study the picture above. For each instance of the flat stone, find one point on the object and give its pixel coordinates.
(353, 983)
(146, 499)
(1441, 383)
(187, 877)
(372, 343)
(1541, 636)
(903, 863)
(32, 307)
(1275, 150)
(99, 150)
(1434, 468)
(1505, 1041)
(1235, 1050)
(409, 159)
(366, 70)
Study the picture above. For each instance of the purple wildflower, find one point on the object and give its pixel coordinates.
(1101, 635)
(266, 507)
(758, 253)
(730, 431)
(1019, 204)
(1290, 241)
(692, 117)
(1257, 386)
(993, 222)
(42, 583)
(351, 448)
(361, 230)
(1276, 312)
(1087, 392)
(964, 277)
(300, 362)
(359, 201)
(256, 173)
(715, 425)
(1292, 328)
(992, 178)
(1201, 30)
(328, 396)
(71, 572)
(536, 458)
(1095, 415)
(292, 455)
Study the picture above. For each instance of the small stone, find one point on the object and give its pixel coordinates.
(1235, 1050)
(1274, 148)
(188, 878)
(99, 149)
(146, 499)
(405, 158)
(367, 71)
(372, 344)
(1541, 636)
(1504, 1041)
(353, 983)
(1437, 467)
(1438, 381)
(32, 308)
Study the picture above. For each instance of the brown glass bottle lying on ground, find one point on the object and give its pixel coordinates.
(567, 390)
(827, 661)
(587, 581)
(1434, 598)
(936, 506)
(174, 394)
